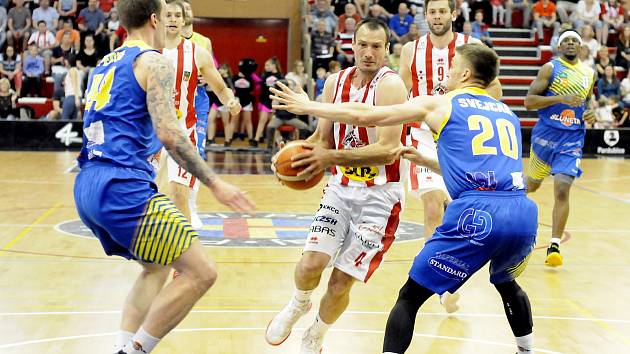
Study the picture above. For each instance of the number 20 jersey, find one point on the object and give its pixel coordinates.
(117, 126)
(479, 144)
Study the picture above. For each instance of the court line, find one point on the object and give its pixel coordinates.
(589, 317)
(244, 329)
(28, 229)
(602, 324)
(603, 194)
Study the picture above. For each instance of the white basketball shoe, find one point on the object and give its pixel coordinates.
(279, 328)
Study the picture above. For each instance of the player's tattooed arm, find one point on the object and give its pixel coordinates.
(535, 96)
(159, 87)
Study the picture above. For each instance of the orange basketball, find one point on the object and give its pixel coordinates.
(287, 174)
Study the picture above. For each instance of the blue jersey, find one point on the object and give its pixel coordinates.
(479, 144)
(567, 79)
(117, 125)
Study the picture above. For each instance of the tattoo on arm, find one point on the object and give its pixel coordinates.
(160, 84)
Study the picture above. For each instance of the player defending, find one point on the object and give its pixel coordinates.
(190, 61)
(359, 212)
(560, 93)
(129, 114)
(479, 151)
(423, 66)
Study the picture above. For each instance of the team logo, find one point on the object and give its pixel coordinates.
(187, 75)
(474, 225)
(260, 230)
(611, 137)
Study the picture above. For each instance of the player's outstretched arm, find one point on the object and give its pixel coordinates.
(156, 75)
(359, 114)
(535, 96)
(211, 75)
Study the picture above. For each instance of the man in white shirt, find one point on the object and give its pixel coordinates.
(45, 42)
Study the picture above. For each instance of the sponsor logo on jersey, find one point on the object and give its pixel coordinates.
(325, 219)
(566, 117)
(361, 174)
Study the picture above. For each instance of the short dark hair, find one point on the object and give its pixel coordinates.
(40, 22)
(373, 24)
(483, 60)
(451, 4)
(135, 13)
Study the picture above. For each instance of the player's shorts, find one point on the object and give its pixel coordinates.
(555, 151)
(202, 106)
(421, 179)
(247, 108)
(123, 209)
(263, 108)
(479, 227)
(355, 226)
(176, 173)
(214, 99)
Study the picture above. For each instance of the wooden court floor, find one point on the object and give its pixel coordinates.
(60, 294)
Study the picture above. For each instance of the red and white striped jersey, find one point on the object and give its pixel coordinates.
(428, 75)
(347, 136)
(183, 58)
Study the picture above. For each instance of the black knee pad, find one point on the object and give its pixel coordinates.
(414, 292)
(517, 308)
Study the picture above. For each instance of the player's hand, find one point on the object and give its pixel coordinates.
(234, 106)
(589, 116)
(572, 100)
(412, 154)
(231, 196)
(294, 102)
(316, 160)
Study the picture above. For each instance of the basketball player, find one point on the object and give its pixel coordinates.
(560, 93)
(479, 150)
(423, 66)
(202, 105)
(190, 61)
(359, 212)
(129, 114)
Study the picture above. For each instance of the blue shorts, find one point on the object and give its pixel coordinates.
(479, 227)
(202, 107)
(555, 151)
(123, 209)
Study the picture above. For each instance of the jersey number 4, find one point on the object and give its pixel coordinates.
(508, 141)
(98, 94)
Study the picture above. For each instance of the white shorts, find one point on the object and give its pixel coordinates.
(421, 179)
(177, 174)
(355, 226)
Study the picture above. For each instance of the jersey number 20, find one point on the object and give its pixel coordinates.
(98, 95)
(507, 136)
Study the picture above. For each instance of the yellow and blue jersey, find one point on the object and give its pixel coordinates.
(479, 144)
(479, 150)
(115, 195)
(567, 79)
(117, 126)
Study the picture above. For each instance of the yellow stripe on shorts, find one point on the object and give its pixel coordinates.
(538, 169)
(516, 270)
(163, 233)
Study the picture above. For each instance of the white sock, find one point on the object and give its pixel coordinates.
(122, 338)
(389, 353)
(525, 343)
(319, 327)
(141, 343)
(555, 240)
(301, 297)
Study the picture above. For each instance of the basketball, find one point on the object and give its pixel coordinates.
(287, 174)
